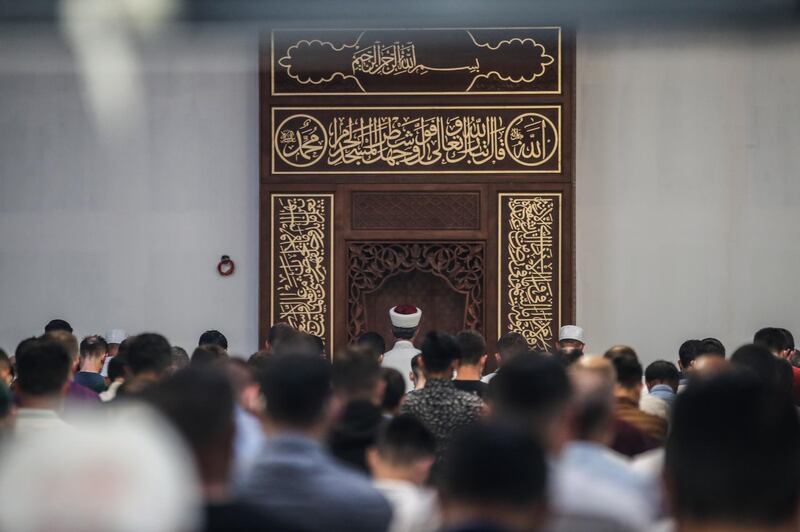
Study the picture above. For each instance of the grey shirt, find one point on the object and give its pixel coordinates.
(299, 483)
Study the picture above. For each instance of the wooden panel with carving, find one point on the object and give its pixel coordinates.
(301, 262)
(416, 210)
(529, 265)
(371, 265)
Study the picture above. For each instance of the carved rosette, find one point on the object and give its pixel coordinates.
(301, 263)
(529, 241)
(460, 264)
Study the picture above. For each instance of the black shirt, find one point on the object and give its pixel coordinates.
(241, 517)
(476, 387)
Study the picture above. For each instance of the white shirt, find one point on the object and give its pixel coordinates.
(487, 378)
(399, 358)
(414, 509)
(36, 421)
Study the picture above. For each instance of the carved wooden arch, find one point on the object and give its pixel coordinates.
(370, 264)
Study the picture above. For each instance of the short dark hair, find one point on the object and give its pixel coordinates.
(58, 325)
(662, 370)
(118, 367)
(404, 333)
(149, 352)
(688, 351)
(772, 338)
(374, 341)
(530, 391)
(207, 354)
(568, 356)
(93, 346)
(733, 454)
(259, 361)
(404, 439)
(618, 351)
(471, 345)
(495, 464)
(355, 371)
(629, 370)
(297, 387)
(711, 346)
(279, 332)
(180, 358)
(439, 350)
(213, 337)
(758, 361)
(789, 338)
(198, 402)
(299, 343)
(395, 388)
(43, 367)
(511, 344)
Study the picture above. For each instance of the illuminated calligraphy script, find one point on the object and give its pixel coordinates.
(300, 267)
(530, 267)
(390, 141)
(397, 58)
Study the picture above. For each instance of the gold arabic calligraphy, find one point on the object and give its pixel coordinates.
(397, 58)
(530, 264)
(301, 267)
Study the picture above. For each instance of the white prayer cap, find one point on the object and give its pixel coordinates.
(115, 336)
(405, 316)
(570, 332)
(99, 476)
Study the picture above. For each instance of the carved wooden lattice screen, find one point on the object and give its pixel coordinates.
(430, 164)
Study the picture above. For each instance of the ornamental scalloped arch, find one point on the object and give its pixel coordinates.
(371, 264)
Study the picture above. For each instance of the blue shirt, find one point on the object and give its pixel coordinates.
(664, 392)
(298, 482)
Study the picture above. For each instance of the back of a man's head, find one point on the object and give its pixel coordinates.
(208, 354)
(733, 455)
(43, 367)
(149, 353)
(58, 325)
(494, 473)
(394, 390)
(759, 362)
(355, 373)
(688, 351)
(629, 371)
(592, 380)
(404, 440)
(213, 337)
(439, 351)
(67, 340)
(278, 333)
(711, 346)
(297, 387)
(374, 341)
(530, 391)
(471, 346)
(199, 403)
(773, 339)
(298, 343)
(510, 345)
(93, 347)
(662, 372)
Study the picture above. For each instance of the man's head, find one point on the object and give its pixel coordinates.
(278, 333)
(472, 348)
(373, 341)
(593, 380)
(199, 403)
(570, 337)
(439, 355)
(662, 372)
(94, 350)
(733, 455)
(149, 355)
(495, 475)
(298, 343)
(417, 375)
(297, 387)
(533, 392)
(405, 321)
(70, 343)
(776, 340)
(510, 345)
(711, 347)
(58, 325)
(118, 368)
(180, 358)
(43, 369)
(687, 353)
(213, 337)
(394, 389)
(760, 363)
(208, 354)
(629, 372)
(356, 375)
(404, 450)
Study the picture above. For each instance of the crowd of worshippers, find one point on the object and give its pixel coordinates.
(129, 433)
